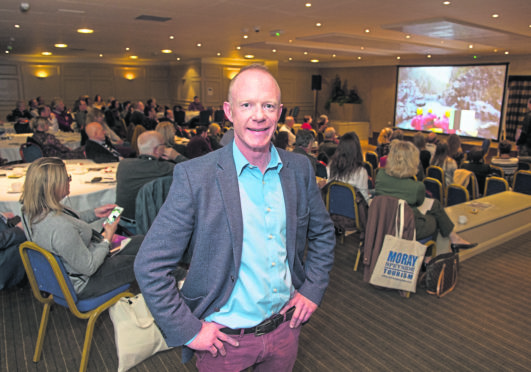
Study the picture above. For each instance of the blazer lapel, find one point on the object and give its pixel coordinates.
(287, 179)
(230, 196)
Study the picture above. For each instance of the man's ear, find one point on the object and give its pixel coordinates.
(228, 110)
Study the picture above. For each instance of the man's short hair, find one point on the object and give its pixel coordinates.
(505, 147)
(304, 138)
(329, 133)
(147, 142)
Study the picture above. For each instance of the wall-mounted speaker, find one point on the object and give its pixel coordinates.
(316, 82)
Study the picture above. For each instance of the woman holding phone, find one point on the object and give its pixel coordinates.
(64, 232)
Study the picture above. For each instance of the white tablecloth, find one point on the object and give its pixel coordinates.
(83, 194)
(189, 115)
(10, 143)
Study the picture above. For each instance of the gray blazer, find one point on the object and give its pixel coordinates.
(203, 214)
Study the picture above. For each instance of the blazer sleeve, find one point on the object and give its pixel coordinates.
(162, 249)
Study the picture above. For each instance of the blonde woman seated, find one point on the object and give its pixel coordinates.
(397, 180)
(83, 251)
(346, 165)
(167, 130)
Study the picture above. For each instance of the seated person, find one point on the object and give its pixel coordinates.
(425, 156)
(382, 149)
(346, 165)
(98, 147)
(282, 140)
(63, 116)
(477, 165)
(329, 144)
(195, 105)
(99, 117)
(19, 113)
(397, 180)
(50, 145)
(199, 144)
(505, 161)
(303, 145)
(11, 235)
(83, 251)
(214, 136)
(442, 159)
(155, 160)
(455, 151)
(167, 130)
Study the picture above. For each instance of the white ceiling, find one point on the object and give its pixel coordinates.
(443, 31)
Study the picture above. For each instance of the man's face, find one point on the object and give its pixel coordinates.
(99, 133)
(82, 106)
(254, 110)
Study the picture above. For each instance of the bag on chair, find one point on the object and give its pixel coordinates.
(136, 334)
(400, 260)
(441, 274)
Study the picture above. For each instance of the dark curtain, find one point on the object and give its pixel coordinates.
(519, 93)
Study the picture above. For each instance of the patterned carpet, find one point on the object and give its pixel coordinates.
(484, 325)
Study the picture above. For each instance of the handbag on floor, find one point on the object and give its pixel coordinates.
(441, 274)
(136, 334)
(400, 260)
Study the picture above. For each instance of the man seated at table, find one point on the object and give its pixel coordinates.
(155, 160)
(195, 105)
(64, 118)
(11, 235)
(50, 145)
(288, 127)
(19, 112)
(98, 147)
(199, 144)
(45, 112)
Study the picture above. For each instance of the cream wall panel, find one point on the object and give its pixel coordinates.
(103, 87)
(9, 92)
(74, 88)
(159, 90)
(8, 70)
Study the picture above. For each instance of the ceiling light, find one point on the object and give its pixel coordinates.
(172, 37)
(291, 41)
(495, 50)
(506, 52)
(133, 57)
(495, 15)
(238, 47)
(17, 26)
(362, 48)
(308, 5)
(127, 49)
(359, 57)
(428, 56)
(290, 59)
(219, 54)
(7, 52)
(245, 36)
(167, 51)
(60, 45)
(446, 2)
(470, 46)
(398, 57)
(314, 60)
(274, 50)
(101, 55)
(408, 36)
(333, 56)
(318, 24)
(305, 53)
(178, 58)
(85, 30)
(46, 53)
(249, 56)
(199, 45)
(367, 30)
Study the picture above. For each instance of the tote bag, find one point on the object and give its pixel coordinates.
(400, 260)
(136, 334)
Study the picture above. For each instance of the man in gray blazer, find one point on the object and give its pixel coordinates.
(261, 243)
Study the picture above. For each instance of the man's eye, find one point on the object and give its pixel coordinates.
(270, 107)
(245, 105)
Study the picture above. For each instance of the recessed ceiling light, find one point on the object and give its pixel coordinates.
(290, 59)
(446, 2)
(314, 60)
(127, 49)
(305, 53)
(46, 53)
(167, 51)
(495, 15)
(199, 45)
(397, 57)
(333, 56)
(60, 45)
(506, 52)
(470, 46)
(17, 26)
(245, 36)
(367, 30)
(428, 56)
(408, 36)
(274, 50)
(219, 54)
(238, 47)
(133, 57)
(308, 5)
(249, 56)
(85, 30)
(178, 58)
(318, 24)
(172, 37)
(359, 57)
(101, 55)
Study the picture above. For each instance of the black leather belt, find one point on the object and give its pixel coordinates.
(268, 325)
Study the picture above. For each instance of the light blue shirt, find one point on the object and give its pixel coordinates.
(264, 283)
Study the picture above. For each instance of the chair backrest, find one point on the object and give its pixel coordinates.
(341, 200)
(497, 171)
(522, 182)
(434, 189)
(372, 157)
(46, 273)
(320, 170)
(467, 179)
(436, 172)
(180, 116)
(295, 112)
(22, 128)
(30, 151)
(494, 185)
(283, 115)
(148, 201)
(456, 194)
(522, 165)
(204, 117)
(369, 169)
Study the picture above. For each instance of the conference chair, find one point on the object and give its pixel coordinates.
(283, 115)
(204, 118)
(50, 284)
(219, 116)
(148, 201)
(434, 189)
(30, 151)
(294, 112)
(369, 169)
(497, 171)
(436, 172)
(522, 182)
(494, 185)
(348, 210)
(180, 117)
(456, 194)
(372, 157)
(522, 165)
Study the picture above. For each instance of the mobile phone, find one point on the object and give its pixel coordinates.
(115, 213)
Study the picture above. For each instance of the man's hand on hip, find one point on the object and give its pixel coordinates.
(211, 339)
(304, 309)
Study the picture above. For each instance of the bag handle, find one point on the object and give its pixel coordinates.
(399, 223)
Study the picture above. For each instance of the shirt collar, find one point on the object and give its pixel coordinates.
(241, 162)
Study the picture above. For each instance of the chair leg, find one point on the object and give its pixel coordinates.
(88, 341)
(358, 256)
(42, 332)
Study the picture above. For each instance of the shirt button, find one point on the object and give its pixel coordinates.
(270, 236)
(275, 290)
(268, 209)
(273, 264)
